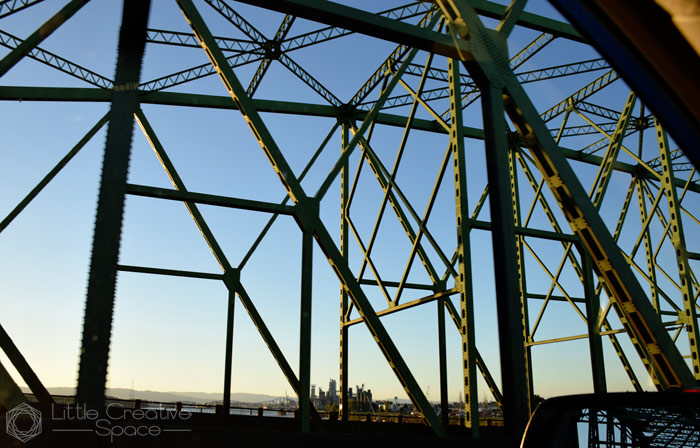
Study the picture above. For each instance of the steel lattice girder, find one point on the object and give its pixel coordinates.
(501, 92)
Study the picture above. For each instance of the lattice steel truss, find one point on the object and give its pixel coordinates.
(457, 81)
(640, 426)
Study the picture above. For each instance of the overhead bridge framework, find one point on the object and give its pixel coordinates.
(546, 198)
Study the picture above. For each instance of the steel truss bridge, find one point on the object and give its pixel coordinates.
(525, 134)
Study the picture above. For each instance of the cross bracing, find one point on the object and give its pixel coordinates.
(579, 229)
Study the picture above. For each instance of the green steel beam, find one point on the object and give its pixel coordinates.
(520, 261)
(511, 16)
(57, 62)
(593, 321)
(606, 167)
(23, 368)
(170, 272)
(606, 325)
(209, 199)
(10, 393)
(309, 80)
(99, 304)
(442, 363)
(328, 33)
(8, 8)
(594, 86)
(553, 297)
(51, 174)
(367, 23)
(530, 232)
(595, 109)
(305, 329)
(70, 94)
(529, 20)
(177, 38)
(281, 33)
(516, 404)
(404, 306)
(531, 49)
(391, 284)
(237, 20)
(308, 218)
(228, 353)
(553, 221)
(464, 281)
(377, 26)
(344, 403)
(651, 264)
(271, 343)
(198, 72)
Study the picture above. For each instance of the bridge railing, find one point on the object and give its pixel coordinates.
(257, 411)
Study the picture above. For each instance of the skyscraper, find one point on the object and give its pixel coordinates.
(332, 394)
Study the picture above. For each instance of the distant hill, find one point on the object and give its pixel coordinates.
(168, 397)
(195, 397)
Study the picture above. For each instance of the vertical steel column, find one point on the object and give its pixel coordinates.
(690, 315)
(99, 305)
(464, 281)
(344, 190)
(442, 353)
(228, 363)
(516, 409)
(593, 439)
(520, 258)
(307, 250)
(595, 342)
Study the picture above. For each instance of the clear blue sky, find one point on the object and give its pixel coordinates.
(168, 333)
